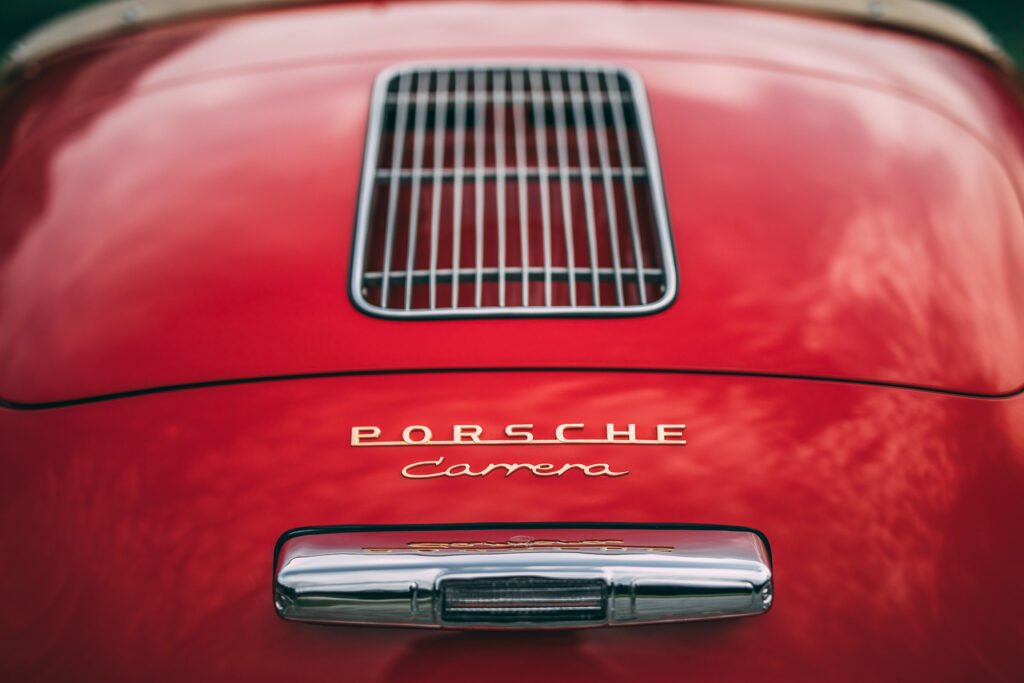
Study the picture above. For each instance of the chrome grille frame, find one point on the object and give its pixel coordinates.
(583, 80)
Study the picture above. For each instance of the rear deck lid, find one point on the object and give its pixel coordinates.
(165, 222)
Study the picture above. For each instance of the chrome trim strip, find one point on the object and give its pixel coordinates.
(643, 114)
(530, 173)
(520, 442)
(534, 273)
(546, 98)
(521, 576)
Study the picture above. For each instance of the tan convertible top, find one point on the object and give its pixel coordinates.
(107, 19)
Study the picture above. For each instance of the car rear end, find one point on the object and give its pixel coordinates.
(458, 326)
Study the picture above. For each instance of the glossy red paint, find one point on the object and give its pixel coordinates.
(178, 205)
(148, 525)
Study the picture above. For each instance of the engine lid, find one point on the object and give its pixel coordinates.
(164, 226)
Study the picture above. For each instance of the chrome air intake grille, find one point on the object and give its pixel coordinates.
(511, 190)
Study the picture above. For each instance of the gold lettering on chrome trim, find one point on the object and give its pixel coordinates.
(543, 469)
(518, 435)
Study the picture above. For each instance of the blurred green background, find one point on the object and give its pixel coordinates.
(1003, 18)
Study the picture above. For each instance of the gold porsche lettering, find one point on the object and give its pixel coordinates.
(472, 431)
(519, 432)
(522, 434)
(425, 433)
(360, 433)
(560, 432)
(629, 433)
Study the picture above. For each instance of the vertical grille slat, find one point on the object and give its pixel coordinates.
(583, 149)
(417, 162)
(480, 115)
(524, 216)
(498, 98)
(561, 143)
(397, 147)
(440, 120)
(609, 197)
(540, 133)
(546, 177)
(461, 104)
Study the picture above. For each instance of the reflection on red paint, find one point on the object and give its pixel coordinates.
(176, 206)
(149, 522)
(856, 220)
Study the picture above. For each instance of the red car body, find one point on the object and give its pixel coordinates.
(181, 365)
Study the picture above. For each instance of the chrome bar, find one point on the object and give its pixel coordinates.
(397, 147)
(422, 87)
(580, 124)
(461, 93)
(498, 102)
(540, 135)
(480, 98)
(563, 171)
(548, 98)
(491, 173)
(475, 576)
(534, 273)
(619, 118)
(601, 133)
(440, 123)
(519, 118)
